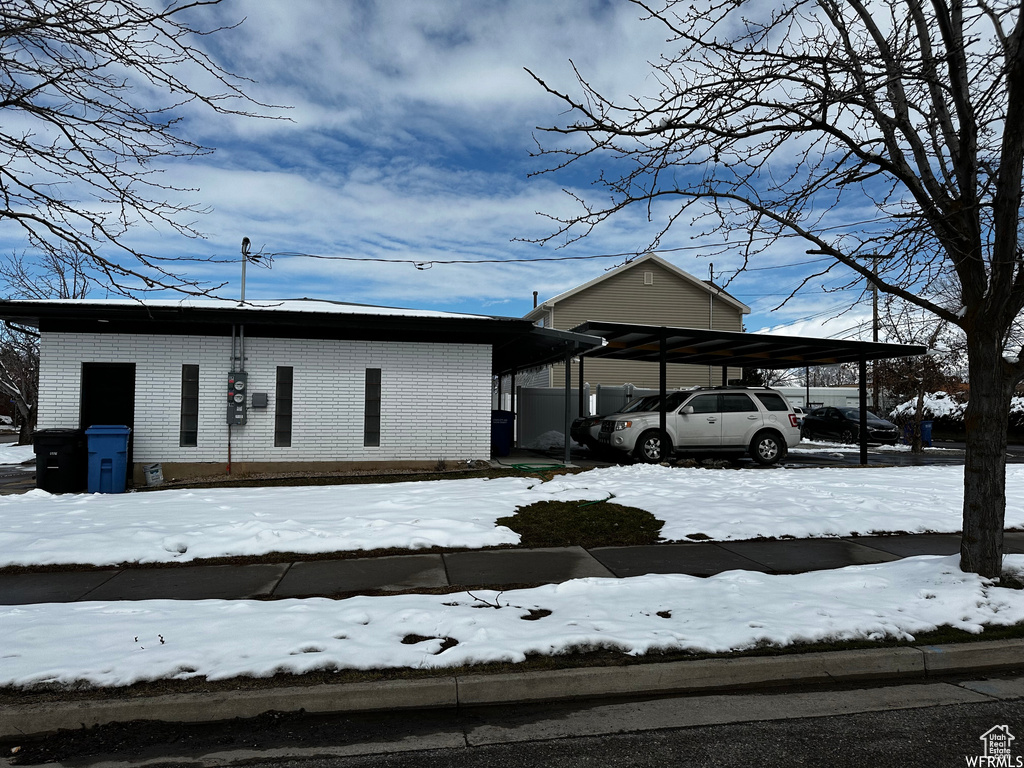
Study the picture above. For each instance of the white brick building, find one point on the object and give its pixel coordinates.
(327, 384)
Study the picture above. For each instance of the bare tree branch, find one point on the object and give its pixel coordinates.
(771, 117)
(93, 94)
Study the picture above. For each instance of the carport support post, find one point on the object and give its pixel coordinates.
(863, 376)
(662, 389)
(581, 413)
(512, 404)
(568, 399)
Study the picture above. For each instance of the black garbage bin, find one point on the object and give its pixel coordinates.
(502, 430)
(61, 465)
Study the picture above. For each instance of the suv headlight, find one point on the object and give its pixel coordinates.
(620, 425)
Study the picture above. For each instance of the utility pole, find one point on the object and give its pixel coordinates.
(245, 258)
(874, 332)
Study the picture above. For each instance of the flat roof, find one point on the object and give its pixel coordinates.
(700, 346)
(516, 343)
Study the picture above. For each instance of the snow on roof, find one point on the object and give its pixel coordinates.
(259, 305)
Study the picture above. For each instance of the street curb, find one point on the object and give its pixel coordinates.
(973, 657)
(704, 675)
(690, 676)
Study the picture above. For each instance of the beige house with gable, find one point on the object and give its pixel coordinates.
(648, 291)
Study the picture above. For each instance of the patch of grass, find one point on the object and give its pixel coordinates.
(583, 524)
(1013, 580)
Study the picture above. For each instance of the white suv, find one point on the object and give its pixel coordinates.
(725, 420)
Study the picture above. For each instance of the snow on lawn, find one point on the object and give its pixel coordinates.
(183, 525)
(116, 644)
(746, 504)
(16, 454)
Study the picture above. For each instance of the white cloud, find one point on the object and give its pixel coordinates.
(408, 139)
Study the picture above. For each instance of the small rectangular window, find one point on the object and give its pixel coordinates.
(283, 407)
(772, 402)
(371, 410)
(188, 432)
(738, 402)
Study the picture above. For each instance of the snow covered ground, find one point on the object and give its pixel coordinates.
(825, 447)
(16, 454)
(183, 525)
(111, 644)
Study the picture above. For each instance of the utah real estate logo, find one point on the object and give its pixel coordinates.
(997, 750)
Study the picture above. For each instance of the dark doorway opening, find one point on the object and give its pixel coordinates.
(108, 397)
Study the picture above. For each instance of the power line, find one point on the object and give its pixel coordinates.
(428, 263)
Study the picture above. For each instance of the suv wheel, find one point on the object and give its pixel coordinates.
(650, 448)
(767, 448)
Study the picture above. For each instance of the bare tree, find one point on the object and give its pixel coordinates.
(19, 376)
(839, 375)
(771, 118)
(54, 276)
(911, 378)
(92, 93)
(767, 377)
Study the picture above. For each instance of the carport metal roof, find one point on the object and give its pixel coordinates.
(700, 346)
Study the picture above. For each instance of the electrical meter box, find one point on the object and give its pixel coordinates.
(237, 397)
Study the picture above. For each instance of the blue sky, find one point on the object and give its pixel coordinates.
(409, 135)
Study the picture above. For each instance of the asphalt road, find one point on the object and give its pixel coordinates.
(934, 737)
(934, 723)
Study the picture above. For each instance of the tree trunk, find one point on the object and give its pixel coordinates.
(25, 433)
(986, 420)
(28, 421)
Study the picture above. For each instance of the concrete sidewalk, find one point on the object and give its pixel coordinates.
(496, 568)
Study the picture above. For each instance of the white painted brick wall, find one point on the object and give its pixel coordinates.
(435, 398)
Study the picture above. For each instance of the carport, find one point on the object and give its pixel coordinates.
(696, 346)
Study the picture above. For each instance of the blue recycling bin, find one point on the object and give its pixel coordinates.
(926, 434)
(108, 457)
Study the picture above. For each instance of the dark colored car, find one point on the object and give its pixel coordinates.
(843, 424)
(585, 429)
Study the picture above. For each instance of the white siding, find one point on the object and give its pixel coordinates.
(435, 397)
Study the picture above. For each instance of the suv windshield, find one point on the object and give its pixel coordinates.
(646, 403)
(653, 402)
